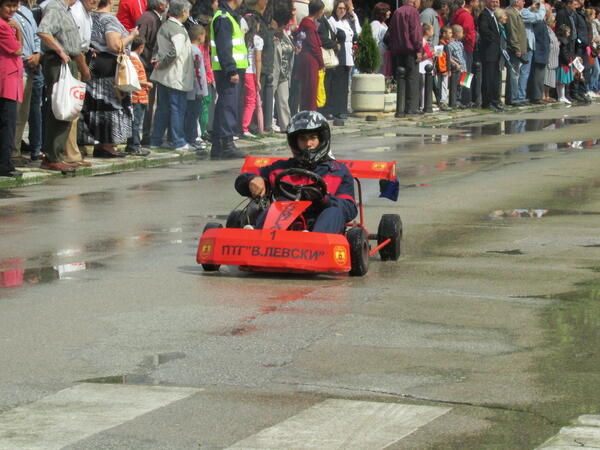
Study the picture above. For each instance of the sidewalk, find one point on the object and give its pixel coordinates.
(32, 174)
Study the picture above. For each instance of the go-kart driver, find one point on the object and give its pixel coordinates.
(308, 136)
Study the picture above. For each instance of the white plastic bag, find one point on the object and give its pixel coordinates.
(126, 78)
(68, 94)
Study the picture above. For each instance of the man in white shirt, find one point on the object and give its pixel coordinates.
(80, 11)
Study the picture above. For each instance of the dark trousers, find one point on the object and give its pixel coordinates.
(192, 114)
(149, 116)
(139, 111)
(267, 96)
(338, 90)
(465, 94)
(35, 114)
(536, 81)
(8, 125)
(411, 71)
(56, 132)
(226, 109)
(490, 83)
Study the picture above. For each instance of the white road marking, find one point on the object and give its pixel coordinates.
(344, 424)
(76, 413)
(584, 433)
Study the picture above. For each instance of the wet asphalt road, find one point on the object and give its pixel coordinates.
(492, 311)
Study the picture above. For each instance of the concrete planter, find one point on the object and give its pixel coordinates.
(368, 90)
(389, 103)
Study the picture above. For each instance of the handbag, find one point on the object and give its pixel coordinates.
(330, 59)
(68, 94)
(126, 78)
(321, 94)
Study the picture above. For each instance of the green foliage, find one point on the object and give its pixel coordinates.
(367, 55)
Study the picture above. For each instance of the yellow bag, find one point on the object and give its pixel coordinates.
(321, 96)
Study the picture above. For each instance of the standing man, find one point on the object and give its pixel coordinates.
(516, 46)
(148, 25)
(464, 18)
(229, 58)
(429, 15)
(532, 15)
(31, 64)
(61, 43)
(578, 87)
(489, 50)
(406, 44)
(81, 12)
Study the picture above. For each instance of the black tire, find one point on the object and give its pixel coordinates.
(390, 227)
(211, 267)
(234, 220)
(358, 239)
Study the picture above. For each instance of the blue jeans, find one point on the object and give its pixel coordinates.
(192, 114)
(512, 78)
(139, 111)
(170, 114)
(593, 84)
(524, 76)
(35, 114)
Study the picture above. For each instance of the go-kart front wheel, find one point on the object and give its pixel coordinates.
(211, 267)
(390, 227)
(358, 240)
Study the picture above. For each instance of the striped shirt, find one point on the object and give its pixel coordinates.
(140, 96)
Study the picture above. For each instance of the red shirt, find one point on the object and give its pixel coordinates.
(130, 11)
(11, 65)
(465, 19)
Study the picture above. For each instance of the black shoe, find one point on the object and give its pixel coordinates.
(12, 173)
(414, 112)
(137, 151)
(230, 151)
(36, 157)
(537, 102)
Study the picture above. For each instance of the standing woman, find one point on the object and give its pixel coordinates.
(329, 41)
(107, 114)
(381, 13)
(11, 83)
(344, 21)
(310, 59)
(282, 70)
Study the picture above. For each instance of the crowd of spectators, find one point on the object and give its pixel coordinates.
(214, 71)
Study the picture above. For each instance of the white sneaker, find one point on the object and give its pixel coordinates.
(592, 94)
(564, 100)
(275, 128)
(235, 138)
(184, 148)
(248, 135)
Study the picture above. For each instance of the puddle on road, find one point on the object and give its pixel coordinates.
(15, 272)
(507, 252)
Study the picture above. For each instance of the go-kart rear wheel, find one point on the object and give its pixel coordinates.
(234, 220)
(358, 239)
(211, 267)
(390, 227)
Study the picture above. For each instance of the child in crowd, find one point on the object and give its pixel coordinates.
(208, 102)
(195, 97)
(255, 44)
(444, 67)
(426, 58)
(564, 72)
(456, 51)
(139, 99)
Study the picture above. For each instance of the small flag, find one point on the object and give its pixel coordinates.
(465, 79)
(389, 189)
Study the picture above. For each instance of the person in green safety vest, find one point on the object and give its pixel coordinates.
(229, 58)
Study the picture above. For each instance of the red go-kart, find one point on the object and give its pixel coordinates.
(283, 245)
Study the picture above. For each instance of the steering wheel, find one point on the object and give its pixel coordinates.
(313, 191)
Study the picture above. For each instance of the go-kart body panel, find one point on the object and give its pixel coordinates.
(379, 170)
(283, 213)
(279, 250)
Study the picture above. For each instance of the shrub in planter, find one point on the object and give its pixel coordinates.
(368, 87)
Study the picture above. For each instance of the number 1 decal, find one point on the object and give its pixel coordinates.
(273, 234)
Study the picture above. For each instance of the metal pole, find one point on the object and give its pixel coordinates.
(428, 95)
(400, 91)
(476, 84)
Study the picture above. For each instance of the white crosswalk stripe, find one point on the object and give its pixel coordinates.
(344, 424)
(81, 411)
(584, 433)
